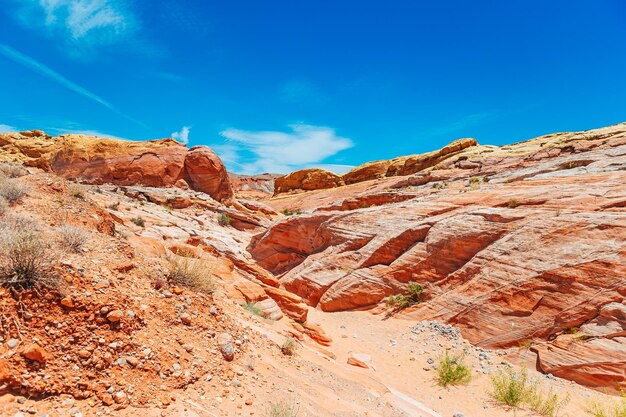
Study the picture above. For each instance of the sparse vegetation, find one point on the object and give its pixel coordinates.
(474, 180)
(224, 219)
(190, 272)
(283, 409)
(72, 237)
(139, 221)
(77, 190)
(291, 212)
(289, 347)
(512, 388)
(512, 203)
(25, 258)
(114, 206)
(412, 296)
(12, 169)
(254, 309)
(440, 185)
(486, 179)
(3, 205)
(611, 409)
(547, 404)
(452, 370)
(13, 191)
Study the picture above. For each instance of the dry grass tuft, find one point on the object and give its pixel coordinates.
(72, 237)
(190, 272)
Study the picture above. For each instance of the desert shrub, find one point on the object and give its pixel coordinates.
(13, 191)
(254, 309)
(282, 409)
(607, 409)
(451, 370)
(512, 203)
(3, 205)
(548, 403)
(412, 296)
(114, 206)
(77, 190)
(25, 257)
(512, 388)
(224, 219)
(190, 272)
(291, 212)
(72, 237)
(12, 169)
(139, 221)
(486, 179)
(474, 180)
(289, 347)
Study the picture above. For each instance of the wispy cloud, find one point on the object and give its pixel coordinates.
(250, 152)
(49, 73)
(183, 135)
(7, 128)
(83, 24)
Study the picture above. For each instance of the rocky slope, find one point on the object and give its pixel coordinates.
(157, 163)
(515, 245)
(521, 247)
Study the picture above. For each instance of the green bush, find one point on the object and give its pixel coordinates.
(512, 388)
(512, 203)
(412, 296)
(291, 212)
(139, 221)
(451, 370)
(252, 308)
(610, 409)
(224, 219)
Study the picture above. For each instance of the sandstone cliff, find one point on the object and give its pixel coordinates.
(97, 160)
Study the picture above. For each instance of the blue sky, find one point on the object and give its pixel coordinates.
(281, 85)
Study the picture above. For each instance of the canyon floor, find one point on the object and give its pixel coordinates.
(520, 250)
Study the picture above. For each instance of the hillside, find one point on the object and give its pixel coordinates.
(166, 286)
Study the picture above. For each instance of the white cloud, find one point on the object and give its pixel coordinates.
(183, 135)
(49, 73)
(279, 152)
(82, 23)
(7, 128)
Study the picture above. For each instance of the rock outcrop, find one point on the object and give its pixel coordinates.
(157, 163)
(317, 179)
(307, 179)
(512, 244)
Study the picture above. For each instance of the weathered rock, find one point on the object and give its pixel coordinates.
(115, 316)
(225, 342)
(361, 360)
(95, 160)
(307, 179)
(36, 353)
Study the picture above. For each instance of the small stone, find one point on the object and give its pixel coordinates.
(121, 361)
(120, 397)
(36, 353)
(12, 343)
(20, 400)
(236, 382)
(67, 302)
(176, 367)
(115, 316)
(84, 354)
(208, 377)
(226, 346)
(185, 318)
(132, 361)
(177, 290)
(458, 414)
(248, 401)
(213, 311)
(167, 294)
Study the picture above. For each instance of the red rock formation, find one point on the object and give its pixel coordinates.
(96, 160)
(307, 179)
(511, 244)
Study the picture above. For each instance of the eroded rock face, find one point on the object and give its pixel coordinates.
(317, 179)
(156, 163)
(512, 245)
(307, 179)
